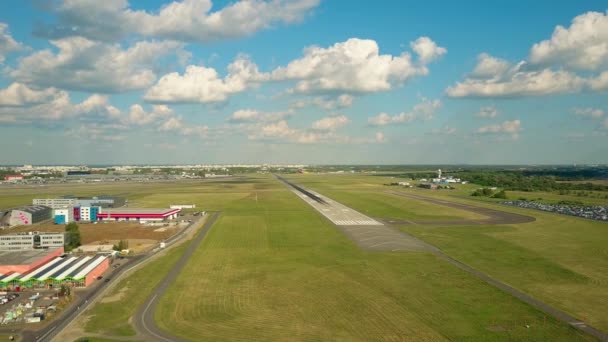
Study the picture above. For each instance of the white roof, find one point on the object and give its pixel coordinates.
(41, 269)
(90, 267)
(11, 277)
(73, 267)
(57, 268)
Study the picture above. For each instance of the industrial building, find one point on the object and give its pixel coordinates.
(63, 216)
(26, 261)
(142, 215)
(72, 271)
(71, 201)
(27, 215)
(13, 178)
(182, 206)
(31, 240)
(76, 214)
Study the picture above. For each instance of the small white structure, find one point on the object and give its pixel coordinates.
(404, 183)
(182, 206)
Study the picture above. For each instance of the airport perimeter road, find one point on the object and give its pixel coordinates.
(493, 216)
(68, 315)
(144, 318)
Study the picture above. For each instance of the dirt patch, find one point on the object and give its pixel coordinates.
(115, 297)
(102, 232)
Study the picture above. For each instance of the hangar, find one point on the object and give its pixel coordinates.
(69, 270)
(133, 214)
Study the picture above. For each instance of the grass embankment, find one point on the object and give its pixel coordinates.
(272, 268)
(111, 315)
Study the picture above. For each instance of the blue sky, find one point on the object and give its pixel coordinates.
(303, 81)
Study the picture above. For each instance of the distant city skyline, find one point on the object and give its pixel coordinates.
(303, 82)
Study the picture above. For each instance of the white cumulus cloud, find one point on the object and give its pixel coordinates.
(424, 110)
(516, 81)
(18, 94)
(188, 20)
(583, 45)
(593, 113)
(252, 115)
(7, 43)
(330, 123)
(427, 50)
(507, 127)
(354, 66)
(553, 67)
(85, 65)
(199, 84)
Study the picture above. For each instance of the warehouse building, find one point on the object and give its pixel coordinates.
(29, 214)
(13, 178)
(71, 201)
(71, 271)
(141, 215)
(26, 260)
(31, 240)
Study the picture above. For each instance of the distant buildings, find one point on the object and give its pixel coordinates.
(13, 178)
(31, 240)
(444, 180)
(182, 206)
(141, 215)
(70, 201)
(25, 215)
(431, 186)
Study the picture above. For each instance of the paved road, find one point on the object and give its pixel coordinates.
(493, 216)
(144, 318)
(88, 297)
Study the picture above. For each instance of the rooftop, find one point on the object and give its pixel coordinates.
(158, 211)
(33, 208)
(23, 257)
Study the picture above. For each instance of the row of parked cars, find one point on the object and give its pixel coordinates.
(597, 212)
(5, 298)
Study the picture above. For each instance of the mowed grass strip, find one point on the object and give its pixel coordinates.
(111, 315)
(300, 279)
(559, 259)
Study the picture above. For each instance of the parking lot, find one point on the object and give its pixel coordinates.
(27, 307)
(598, 213)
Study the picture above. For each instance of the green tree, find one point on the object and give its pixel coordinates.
(72, 236)
(122, 244)
(501, 194)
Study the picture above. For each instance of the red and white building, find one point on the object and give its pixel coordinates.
(13, 178)
(133, 214)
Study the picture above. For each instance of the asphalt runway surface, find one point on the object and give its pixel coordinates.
(378, 237)
(144, 318)
(493, 216)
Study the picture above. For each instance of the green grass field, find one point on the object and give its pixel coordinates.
(111, 315)
(274, 269)
(560, 259)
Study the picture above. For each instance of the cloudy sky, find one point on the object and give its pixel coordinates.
(303, 81)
